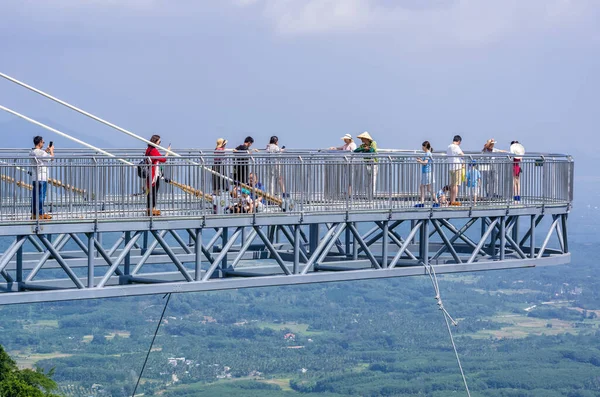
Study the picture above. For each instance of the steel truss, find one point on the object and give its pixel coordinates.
(68, 261)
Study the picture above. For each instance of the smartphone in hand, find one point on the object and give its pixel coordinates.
(51, 144)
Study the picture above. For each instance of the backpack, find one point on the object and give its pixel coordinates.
(143, 168)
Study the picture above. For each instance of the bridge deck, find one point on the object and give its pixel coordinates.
(322, 217)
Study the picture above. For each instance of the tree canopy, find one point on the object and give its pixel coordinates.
(25, 382)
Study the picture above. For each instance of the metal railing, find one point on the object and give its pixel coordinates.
(86, 186)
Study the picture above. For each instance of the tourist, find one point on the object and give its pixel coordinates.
(442, 195)
(242, 203)
(473, 181)
(275, 168)
(40, 159)
(256, 192)
(488, 169)
(219, 175)
(456, 168)
(240, 169)
(348, 145)
(368, 145)
(519, 150)
(427, 174)
(153, 179)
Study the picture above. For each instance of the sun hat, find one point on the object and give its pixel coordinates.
(221, 142)
(347, 136)
(517, 148)
(365, 135)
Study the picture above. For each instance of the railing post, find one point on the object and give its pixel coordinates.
(384, 245)
(424, 242)
(313, 231)
(90, 260)
(198, 255)
(20, 264)
(296, 248)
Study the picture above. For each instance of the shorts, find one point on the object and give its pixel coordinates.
(455, 177)
(473, 191)
(426, 178)
(517, 169)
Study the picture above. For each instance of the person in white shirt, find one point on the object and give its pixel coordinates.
(275, 170)
(349, 144)
(456, 167)
(39, 175)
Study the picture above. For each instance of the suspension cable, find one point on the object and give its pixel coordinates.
(447, 317)
(152, 343)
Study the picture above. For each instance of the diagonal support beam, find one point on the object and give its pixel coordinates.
(180, 241)
(114, 267)
(458, 233)
(407, 241)
(147, 254)
(477, 249)
(446, 240)
(397, 239)
(272, 249)
(244, 248)
(531, 230)
(301, 249)
(317, 251)
(61, 262)
(37, 245)
(58, 244)
(506, 235)
(338, 232)
(224, 251)
(11, 251)
(547, 239)
(172, 255)
(362, 243)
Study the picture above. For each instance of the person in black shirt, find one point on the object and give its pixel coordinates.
(240, 169)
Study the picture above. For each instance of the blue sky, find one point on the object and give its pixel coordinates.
(310, 71)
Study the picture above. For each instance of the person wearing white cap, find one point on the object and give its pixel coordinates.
(349, 144)
(369, 146)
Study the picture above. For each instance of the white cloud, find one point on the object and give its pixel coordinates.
(469, 22)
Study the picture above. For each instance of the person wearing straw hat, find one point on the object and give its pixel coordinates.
(219, 183)
(369, 145)
(488, 169)
(517, 149)
(349, 144)
(40, 159)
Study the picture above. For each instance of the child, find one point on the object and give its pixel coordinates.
(442, 195)
(473, 181)
(242, 203)
(426, 175)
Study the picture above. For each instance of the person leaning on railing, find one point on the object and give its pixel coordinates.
(153, 179)
(40, 160)
(369, 146)
(489, 170)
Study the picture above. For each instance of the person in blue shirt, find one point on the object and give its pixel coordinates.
(427, 175)
(473, 181)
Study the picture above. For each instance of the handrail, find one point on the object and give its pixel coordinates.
(116, 127)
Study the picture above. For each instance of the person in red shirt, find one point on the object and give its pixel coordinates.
(153, 181)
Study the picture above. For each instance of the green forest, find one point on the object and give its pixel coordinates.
(531, 332)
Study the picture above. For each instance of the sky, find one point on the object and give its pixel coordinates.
(308, 71)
